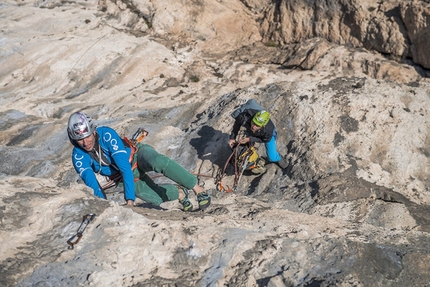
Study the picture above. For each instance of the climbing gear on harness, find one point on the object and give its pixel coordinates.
(77, 237)
(243, 157)
(204, 200)
(246, 159)
(186, 203)
(80, 126)
(137, 137)
(261, 118)
(248, 156)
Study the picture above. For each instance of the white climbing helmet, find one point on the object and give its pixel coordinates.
(80, 126)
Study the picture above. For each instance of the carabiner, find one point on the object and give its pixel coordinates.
(77, 237)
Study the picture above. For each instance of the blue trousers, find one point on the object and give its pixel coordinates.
(272, 153)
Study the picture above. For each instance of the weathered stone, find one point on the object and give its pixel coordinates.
(351, 208)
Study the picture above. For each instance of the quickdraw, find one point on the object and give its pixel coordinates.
(138, 136)
(77, 237)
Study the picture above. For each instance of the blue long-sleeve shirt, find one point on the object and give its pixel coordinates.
(112, 147)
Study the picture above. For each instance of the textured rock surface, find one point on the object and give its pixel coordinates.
(397, 28)
(352, 208)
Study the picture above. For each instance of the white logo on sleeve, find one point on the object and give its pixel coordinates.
(107, 137)
(78, 162)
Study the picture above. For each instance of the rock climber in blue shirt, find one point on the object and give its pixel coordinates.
(101, 150)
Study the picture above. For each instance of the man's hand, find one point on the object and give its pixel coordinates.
(130, 202)
(231, 142)
(244, 140)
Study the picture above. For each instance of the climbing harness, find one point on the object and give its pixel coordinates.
(77, 237)
(137, 137)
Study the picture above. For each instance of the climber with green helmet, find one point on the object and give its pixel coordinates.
(258, 128)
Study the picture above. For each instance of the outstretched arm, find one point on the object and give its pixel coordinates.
(239, 121)
(82, 164)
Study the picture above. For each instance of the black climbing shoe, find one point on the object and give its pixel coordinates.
(283, 163)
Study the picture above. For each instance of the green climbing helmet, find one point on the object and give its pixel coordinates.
(261, 118)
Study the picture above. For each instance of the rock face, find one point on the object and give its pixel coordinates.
(396, 28)
(344, 82)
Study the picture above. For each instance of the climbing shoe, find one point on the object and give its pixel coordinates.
(186, 203)
(259, 167)
(204, 200)
(258, 170)
(283, 163)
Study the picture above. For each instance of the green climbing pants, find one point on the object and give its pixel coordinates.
(148, 159)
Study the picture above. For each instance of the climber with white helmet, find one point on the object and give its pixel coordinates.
(101, 150)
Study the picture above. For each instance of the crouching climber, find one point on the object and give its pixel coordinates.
(256, 127)
(102, 150)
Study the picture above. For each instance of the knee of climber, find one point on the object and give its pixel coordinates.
(159, 162)
(149, 196)
(273, 157)
(172, 193)
(150, 158)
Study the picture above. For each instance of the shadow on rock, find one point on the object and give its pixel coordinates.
(211, 145)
